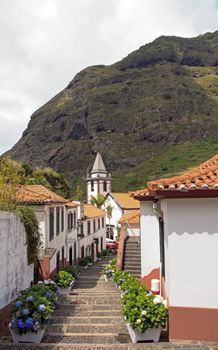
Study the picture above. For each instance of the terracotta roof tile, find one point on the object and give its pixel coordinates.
(90, 211)
(125, 201)
(132, 218)
(72, 205)
(202, 177)
(37, 194)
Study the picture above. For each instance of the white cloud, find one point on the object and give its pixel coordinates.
(44, 43)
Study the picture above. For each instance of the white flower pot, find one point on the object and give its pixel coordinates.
(90, 264)
(29, 337)
(105, 278)
(152, 334)
(85, 267)
(99, 259)
(66, 290)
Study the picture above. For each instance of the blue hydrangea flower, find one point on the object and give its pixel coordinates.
(18, 303)
(25, 312)
(46, 321)
(29, 323)
(41, 307)
(48, 294)
(20, 324)
(29, 299)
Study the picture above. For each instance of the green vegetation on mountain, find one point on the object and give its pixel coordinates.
(13, 173)
(153, 114)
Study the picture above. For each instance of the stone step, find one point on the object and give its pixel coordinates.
(81, 338)
(129, 266)
(88, 328)
(97, 313)
(91, 300)
(132, 258)
(68, 346)
(115, 320)
(90, 307)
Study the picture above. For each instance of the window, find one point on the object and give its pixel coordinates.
(62, 219)
(94, 227)
(162, 250)
(68, 222)
(74, 219)
(51, 224)
(81, 229)
(102, 222)
(62, 256)
(92, 186)
(88, 227)
(99, 224)
(57, 221)
(70, 255)
(58, 262)
(105, 186)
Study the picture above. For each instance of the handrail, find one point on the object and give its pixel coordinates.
(119, 264)
(137, 239)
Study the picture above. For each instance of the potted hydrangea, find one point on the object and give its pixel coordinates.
(65, 281)
(145, 315)
(31, 313)
(84, 263)
(109, 271)
(99, 256)
(90, 260)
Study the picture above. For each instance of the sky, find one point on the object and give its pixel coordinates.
(44, 43)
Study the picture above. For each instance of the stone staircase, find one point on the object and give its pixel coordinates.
(132, 257)
(89, 318)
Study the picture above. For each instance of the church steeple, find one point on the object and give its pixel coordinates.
(98, 166)
(98, 180)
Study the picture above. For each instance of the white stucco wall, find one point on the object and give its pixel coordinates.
(191, 249)
(117, 213)
(150, 251)
(133, 232)
(15, 273)
(89, 239)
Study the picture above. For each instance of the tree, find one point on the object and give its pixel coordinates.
(98, 201)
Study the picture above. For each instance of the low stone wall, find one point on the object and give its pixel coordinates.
(15, 273)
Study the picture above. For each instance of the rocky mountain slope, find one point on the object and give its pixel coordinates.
(152, 113)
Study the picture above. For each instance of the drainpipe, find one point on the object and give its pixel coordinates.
(159, 213)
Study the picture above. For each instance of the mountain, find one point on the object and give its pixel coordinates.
(152, 113)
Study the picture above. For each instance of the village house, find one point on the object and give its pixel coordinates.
(16, 274)
(51, 212)
(93, 231)
(179, 240)
(121, 204)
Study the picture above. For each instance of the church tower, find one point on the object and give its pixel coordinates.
(98, 180)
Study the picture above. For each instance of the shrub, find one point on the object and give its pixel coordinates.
(104, 252)
(32, 310)
(144, 311)
(83, 262)
(64, 279)
(89, 259)
(99, 255)
(74, 270)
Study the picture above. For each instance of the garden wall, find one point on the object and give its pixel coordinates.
(15, 273)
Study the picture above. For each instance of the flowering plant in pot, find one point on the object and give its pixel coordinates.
(84, 263)
(31, 313)
(109, 271)
(90, 260)
(65, 281)
(145, 315)
(74, 270)
(99, 256)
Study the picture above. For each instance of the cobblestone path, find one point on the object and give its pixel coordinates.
(90, 319)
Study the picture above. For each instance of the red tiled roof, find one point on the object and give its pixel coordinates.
(37, 194)
(203, 177)
(132, 218)
(125, 201)
(91, 211)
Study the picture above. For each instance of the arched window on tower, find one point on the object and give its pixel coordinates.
(92, 186)
(105, 186)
